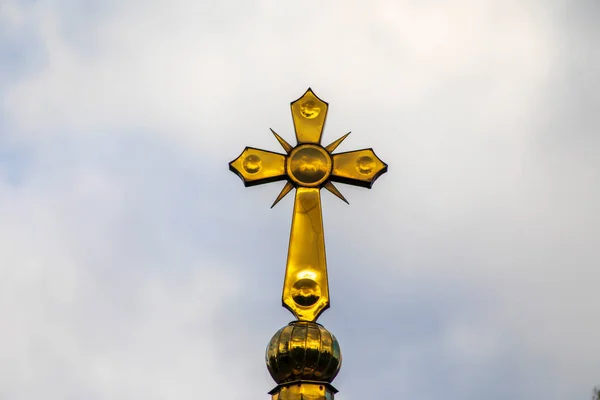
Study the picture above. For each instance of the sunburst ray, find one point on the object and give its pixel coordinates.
(286, 146)
(286, 189)
(329, 186)
(333, 145)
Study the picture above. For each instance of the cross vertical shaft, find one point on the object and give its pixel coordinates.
(306, 288)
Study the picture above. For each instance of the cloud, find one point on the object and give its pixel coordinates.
(135, 265)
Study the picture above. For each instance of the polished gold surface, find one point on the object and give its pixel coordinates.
(286, 146)
(308, 167)
(305, 288)
(286, 189)
(333, 145)
(359, 168)
(333, 190)
(309, 114)
(303, 357)
(255, 166)
(303, 391)
(303, 351)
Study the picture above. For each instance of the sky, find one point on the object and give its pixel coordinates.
(135, 265)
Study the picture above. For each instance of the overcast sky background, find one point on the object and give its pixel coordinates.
(134, 265)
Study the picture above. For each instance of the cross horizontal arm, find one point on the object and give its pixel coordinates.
(256, 166)
(358, 168)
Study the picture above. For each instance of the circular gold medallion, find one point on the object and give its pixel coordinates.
(306, 292)
(310, 110)
(309, 165)
(365, 165)
(252, 164)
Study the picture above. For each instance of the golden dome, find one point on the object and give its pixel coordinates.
(303, 350)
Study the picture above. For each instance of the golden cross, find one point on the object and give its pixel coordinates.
(308, 167)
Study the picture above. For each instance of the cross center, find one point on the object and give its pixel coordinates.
(309, 165)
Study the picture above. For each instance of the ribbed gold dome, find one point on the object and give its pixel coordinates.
(303, 351)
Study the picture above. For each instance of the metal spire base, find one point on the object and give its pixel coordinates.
(303, 390)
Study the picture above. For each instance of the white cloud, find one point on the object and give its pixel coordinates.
(79, 320)
(176, 69)
(460, 99)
